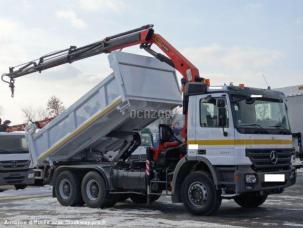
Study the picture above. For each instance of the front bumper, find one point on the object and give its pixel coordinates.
(261, 185)
(17, 177)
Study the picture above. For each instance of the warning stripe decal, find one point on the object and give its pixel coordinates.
(241, 142)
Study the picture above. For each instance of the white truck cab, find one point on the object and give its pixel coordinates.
(241, 136)
(15, 160)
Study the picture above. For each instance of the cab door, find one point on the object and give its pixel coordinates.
(214, 129)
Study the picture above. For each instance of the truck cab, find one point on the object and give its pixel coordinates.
(15, 160)
(241, 138)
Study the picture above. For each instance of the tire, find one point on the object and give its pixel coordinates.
(250, 200)
(20, 186)
(67, 189)
(217, 204)
(199, 194)
(94, 193)
(140, 199)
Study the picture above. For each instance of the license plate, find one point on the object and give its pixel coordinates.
(274, 177)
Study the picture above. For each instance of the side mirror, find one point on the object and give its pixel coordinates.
(221, 104)
(222, 117)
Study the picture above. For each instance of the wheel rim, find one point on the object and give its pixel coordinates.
(197, 194)
(65, 187)
(92, 190)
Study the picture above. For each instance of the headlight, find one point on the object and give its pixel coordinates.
(250, 179)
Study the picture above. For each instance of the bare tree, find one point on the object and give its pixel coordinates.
(42, 114)
(54, 106)
(32, 114)
(29, 113)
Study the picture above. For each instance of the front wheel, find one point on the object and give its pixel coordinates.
(250, 199)
(200, 196)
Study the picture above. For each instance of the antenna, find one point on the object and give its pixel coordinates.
(268, 86)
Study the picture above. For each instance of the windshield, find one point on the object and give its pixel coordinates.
(260, 113)
(146, 140)
(12, 144)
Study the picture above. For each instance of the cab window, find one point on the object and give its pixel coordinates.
(212, 114)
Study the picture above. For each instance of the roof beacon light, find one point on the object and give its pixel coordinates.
(207, 82)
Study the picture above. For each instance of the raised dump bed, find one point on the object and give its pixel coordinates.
(137, 83)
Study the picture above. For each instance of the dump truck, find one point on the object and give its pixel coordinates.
(236, 141)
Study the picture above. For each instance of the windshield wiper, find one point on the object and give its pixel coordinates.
(250, 125)
(3, 151)
(279, 126)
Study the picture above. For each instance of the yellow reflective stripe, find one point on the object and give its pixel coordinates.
(240, 142)
(82, 127)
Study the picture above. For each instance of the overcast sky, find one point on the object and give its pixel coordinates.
(229, 41)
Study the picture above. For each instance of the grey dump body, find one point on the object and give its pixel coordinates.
(136, 84)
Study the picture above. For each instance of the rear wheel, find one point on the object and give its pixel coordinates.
(94, 193)
(250, 199)
(67, 189)
(200, 196)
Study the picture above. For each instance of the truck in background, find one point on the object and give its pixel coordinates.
(15, 160)
(294, 102)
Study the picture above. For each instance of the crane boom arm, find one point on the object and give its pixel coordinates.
(143, 36)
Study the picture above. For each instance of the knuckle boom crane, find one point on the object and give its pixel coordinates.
(143, 36)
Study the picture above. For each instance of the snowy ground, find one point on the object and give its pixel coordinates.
(36, 206)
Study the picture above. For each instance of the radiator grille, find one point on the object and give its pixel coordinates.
(270, 159)
(14, 165)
